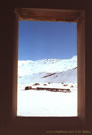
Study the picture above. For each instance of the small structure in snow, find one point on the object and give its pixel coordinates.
(48, 89)
(28, 87)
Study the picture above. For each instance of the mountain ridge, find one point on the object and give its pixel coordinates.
(48, 70)
(46, 65)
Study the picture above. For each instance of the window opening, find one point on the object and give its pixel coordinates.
(47, 69)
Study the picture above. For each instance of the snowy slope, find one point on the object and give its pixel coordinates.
(69, 76)
(48, 70)
(46, 103)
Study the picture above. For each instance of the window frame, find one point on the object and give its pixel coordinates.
(77, 16)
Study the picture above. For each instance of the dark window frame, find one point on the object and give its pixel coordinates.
(53, 15)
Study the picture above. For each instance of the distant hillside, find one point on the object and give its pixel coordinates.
(48, 70)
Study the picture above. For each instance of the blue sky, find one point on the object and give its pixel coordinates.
(47, 40)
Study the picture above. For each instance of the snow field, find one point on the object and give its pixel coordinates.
(54, 73)
(46, 103)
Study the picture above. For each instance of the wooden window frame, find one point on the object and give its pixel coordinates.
(77, 16)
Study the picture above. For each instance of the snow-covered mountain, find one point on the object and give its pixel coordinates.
(50, 73)
(48, 70)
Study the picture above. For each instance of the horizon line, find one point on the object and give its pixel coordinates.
(47, 59)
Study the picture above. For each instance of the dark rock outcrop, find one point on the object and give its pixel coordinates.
(35, 84)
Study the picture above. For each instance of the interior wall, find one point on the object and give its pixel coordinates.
(6, 55)
(7, 45)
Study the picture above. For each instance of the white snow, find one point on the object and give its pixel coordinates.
(47, 103)
(69, 76)
(46, 65)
